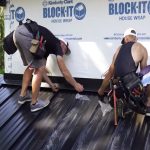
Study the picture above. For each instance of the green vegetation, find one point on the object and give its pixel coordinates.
(1, 39)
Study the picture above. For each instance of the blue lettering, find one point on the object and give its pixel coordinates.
(139, 17)
(69, 11)
(12, 14)
(53, 12)
(133, 7)
(111, 9)
(49, 12)
(62, 11)
(121, 8)
(148, 7)
(135, 17)
(127, 8)
(57, 11)
(144, 6)
(122, 18)
(44, 12)
(139, 10)
(68, 1)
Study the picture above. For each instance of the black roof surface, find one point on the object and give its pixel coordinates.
(67, 124)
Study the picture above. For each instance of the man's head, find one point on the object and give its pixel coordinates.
(130, 33)
(65, 46)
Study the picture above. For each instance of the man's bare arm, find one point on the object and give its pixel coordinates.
(106, 80)
(144, 59)
(108, 75)
(140, 55)
(67, 75)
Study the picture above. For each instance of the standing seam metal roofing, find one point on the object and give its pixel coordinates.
(67, 124)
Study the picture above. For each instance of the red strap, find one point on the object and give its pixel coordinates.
(41, 41)
(115, 107)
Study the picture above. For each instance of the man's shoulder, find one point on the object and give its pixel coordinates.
(59, 58)
(139, 46)
(139, 49)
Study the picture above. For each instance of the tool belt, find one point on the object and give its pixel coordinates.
(133, 84)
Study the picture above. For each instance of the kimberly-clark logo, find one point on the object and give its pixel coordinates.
(79, 11)
(19, 14)
(16, 13)
(63, 11)
(132, 10)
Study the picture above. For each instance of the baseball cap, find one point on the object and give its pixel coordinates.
(67, 45)
(129, 31)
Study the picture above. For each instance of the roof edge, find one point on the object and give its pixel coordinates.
(89, 84)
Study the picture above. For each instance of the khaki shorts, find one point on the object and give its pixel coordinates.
(22, 39)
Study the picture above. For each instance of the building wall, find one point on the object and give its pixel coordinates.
(93, 29)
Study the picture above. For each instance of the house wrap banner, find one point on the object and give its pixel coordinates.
(93, 29)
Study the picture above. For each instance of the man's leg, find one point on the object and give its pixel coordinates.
(24, 95)
(26, 80)
(36, 103)
(36, 83)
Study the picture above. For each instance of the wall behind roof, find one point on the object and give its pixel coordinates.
(93, 29)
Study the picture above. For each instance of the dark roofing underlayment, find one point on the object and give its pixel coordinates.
(67, 124)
